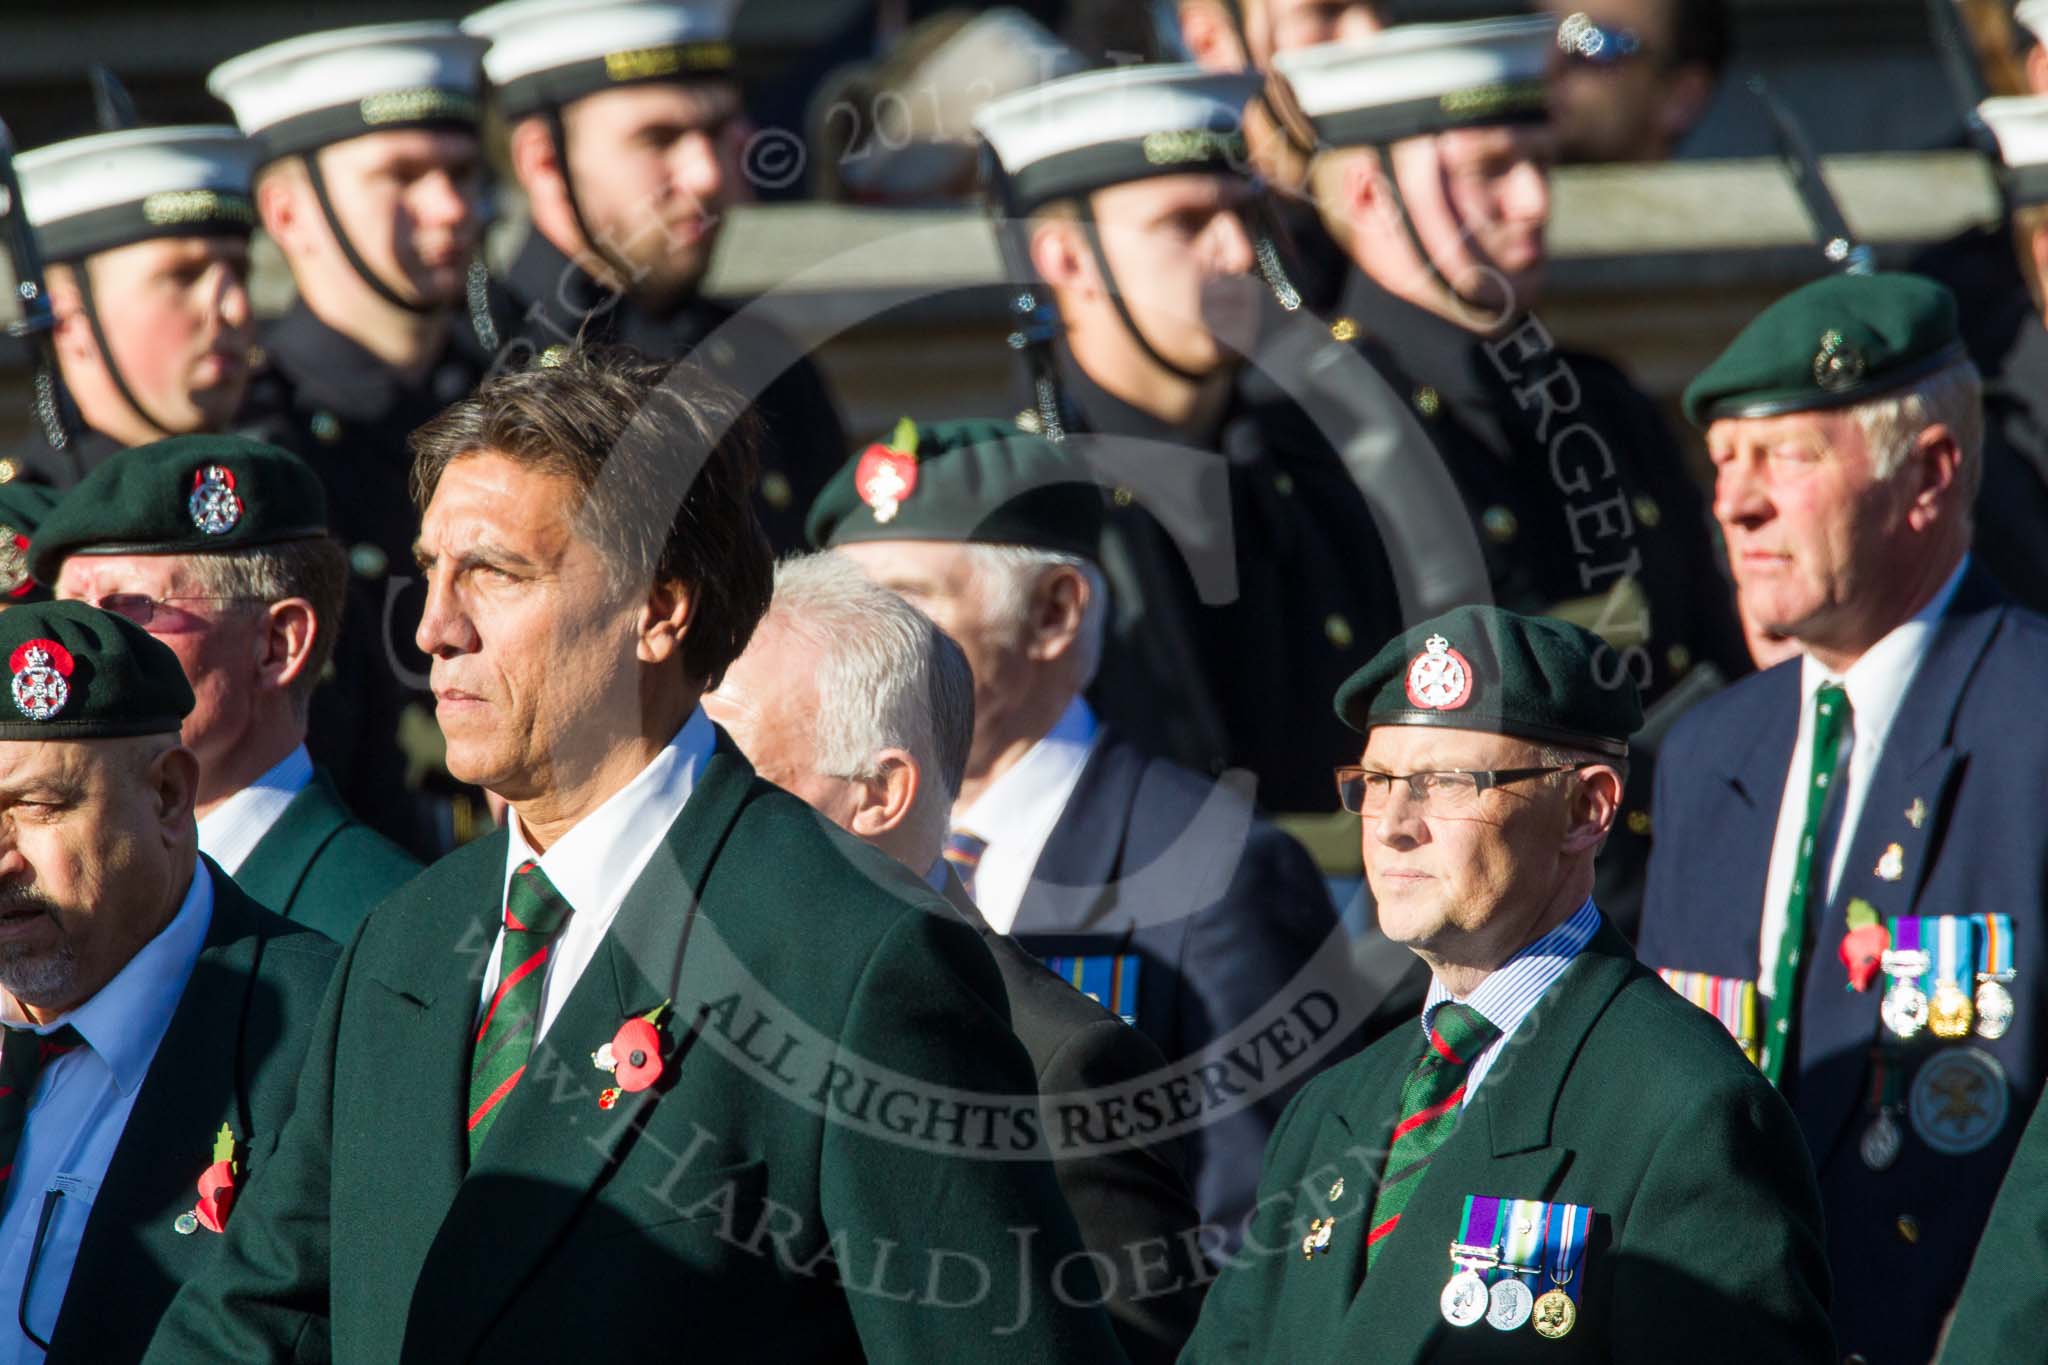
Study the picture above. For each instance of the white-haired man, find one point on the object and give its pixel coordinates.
(1140, 881)
(1871, 807)
(851, 698)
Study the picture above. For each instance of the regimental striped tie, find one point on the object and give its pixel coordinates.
(1831, 722)
(534, 913)
(963, 851)
(23, 1055)
(1431, 1098)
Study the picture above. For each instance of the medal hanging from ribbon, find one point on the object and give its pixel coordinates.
(1994, 975)
(1510, 1297)
(1904, 1009)
(1949, 1011)
(1569, 1227)
(1474, 1255)
(1879, 1145)
(1731, 1001)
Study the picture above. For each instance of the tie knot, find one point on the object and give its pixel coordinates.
(24, 1052)
(532, 905)
(1460, 1033)
(964, 849)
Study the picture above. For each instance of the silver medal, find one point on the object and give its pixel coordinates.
(1904, 1009)
(1465, 1300)
(1994, 1008)
(1879, 1146)
(1510, 1305)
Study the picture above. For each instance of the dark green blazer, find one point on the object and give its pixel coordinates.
(720, 1214)
(2003, 1312)
(1615, 1093)
(231, 1055)
(321, 866)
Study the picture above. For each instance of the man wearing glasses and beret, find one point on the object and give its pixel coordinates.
(218, 547)
(1561, 1149)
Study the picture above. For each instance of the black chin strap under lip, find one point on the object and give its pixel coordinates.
(621, 271)
(1086, 204)
(1386, 163)
(356, 263)
(99, 335)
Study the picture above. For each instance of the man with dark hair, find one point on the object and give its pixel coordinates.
(1631, 78)
(626, 133)
(218, 546)
(155, 1017)
(731, 1136)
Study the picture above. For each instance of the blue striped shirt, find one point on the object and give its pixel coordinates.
(1510, 992)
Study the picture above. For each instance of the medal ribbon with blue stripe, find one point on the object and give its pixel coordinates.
(1995, 940)
(1569, 1226)
(1955, 951)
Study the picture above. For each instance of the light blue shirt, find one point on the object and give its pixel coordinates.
(231, 830)
(80, 1108)
(1508, 994)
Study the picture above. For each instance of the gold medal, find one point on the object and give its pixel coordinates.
(1555, 1314)
(1950, 1014)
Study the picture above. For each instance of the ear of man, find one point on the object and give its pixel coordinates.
(1936, 464)
(887, 797)
(1210, 35)
(1060, 255)
(1059, 602)
(664, 622)
(1595, 802)
(286, 646)
(171, 775)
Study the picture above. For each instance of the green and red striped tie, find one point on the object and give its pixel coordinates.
(534, 914)
(23, 1055)
(1431, 1099)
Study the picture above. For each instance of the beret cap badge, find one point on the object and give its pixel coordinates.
(1439, 678)
(15, 580)
(1837, 366)
(887, 473)
(40, 668)
(214, 504)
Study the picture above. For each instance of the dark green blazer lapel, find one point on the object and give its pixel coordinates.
(1502, 1147)
(553, 1143)
(168, 1141)
(272, 872)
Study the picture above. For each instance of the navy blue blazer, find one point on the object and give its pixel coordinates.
(1967, 753)
(1244, 975)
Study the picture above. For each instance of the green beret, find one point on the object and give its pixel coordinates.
(1837, 341)
(187, 495)
(76, 672)
(22, 509)
(1483, 668)
(981, 481)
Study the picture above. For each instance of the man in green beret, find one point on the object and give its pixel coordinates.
(1188, 915)
(1851, 841)
(1564, 1148)
(153, 1018)
(217, 545)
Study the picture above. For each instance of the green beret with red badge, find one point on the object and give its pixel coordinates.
(76, 672)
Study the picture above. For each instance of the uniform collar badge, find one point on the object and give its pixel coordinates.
(40, 668)
(215, 506)
(887, 473)
(1439, 678)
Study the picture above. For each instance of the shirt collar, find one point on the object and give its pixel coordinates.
(1877, 682)
(126, 1019)
(583, 865)
(1507, 995)
(1035, 789)
(230, 831)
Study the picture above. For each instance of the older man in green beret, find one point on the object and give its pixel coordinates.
(152, 1017)
(1852, 840)
(1564, 1148)
(218, 547)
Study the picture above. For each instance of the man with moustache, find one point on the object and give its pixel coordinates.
(626, 133)
(154, 1016)
(594, 564)
(145, 238)
(1564, 1157)
(1434, 174)
(371, 181)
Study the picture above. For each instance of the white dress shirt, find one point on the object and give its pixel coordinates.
(1876, 684)
(1016, 814)
(231, 830)
(79, 1110)
(596, 863)
(1508, 994)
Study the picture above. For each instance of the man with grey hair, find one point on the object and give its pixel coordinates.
(851, 698)
(1850, 861)
(1148, 886)
(218, 546)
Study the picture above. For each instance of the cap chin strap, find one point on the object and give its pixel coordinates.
(1037, 323)
(621, 271)
(1116, 298)
(1386, 163)
(99, 336)
(356, 263)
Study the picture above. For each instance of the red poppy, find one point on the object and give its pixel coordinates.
(1862, 952)
(216, 1196)
(637, 1049)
